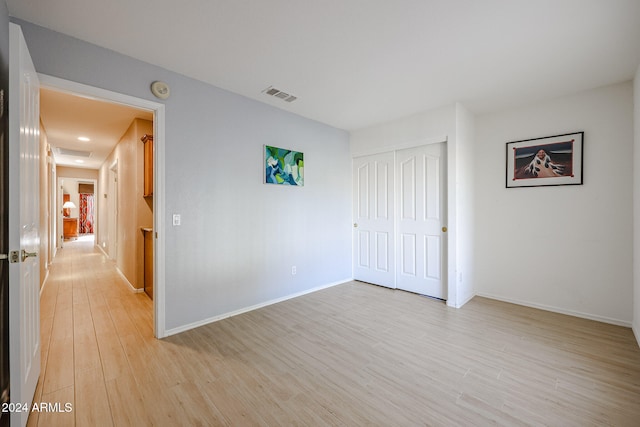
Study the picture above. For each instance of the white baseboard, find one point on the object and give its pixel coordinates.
(133, 289)
(44, 282)
(595, 317)
(213, 319)
(102, 250)
(469, 298)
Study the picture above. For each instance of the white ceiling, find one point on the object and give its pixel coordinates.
(355, 63)
(66, 117)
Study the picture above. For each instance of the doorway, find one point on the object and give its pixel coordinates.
(86, 219)
(399, 234)
(114, 174)
(78, 206)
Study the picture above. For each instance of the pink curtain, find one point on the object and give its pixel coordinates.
(86, 214)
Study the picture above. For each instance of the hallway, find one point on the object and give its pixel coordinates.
(92, 328)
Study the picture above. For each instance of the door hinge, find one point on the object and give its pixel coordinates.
(14, 256)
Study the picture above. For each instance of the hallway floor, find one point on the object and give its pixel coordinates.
(90, 319)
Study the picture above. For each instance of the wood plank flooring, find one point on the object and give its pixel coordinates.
(351, 355)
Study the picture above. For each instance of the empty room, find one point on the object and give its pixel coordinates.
(320, 213)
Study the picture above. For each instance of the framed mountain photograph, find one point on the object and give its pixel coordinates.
(552, 160)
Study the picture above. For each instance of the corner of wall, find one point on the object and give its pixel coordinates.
(502, 252)
(465, 137)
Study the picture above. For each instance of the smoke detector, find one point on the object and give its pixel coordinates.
(160, 90)
(272, 91)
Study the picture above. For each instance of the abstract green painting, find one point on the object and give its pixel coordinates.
(282, 166)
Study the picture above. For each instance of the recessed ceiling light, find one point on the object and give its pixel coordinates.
(84, 139)
(79, 161)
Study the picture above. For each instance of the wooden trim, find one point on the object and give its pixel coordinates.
(147, 189)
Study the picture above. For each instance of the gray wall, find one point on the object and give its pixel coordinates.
(239, 238)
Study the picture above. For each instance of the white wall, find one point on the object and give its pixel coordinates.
(434, 126)
(465, 138)
(81, 173)
(239, 237)
(636, 206)
(566, 248)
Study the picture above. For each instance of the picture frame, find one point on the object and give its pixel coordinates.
(548, 161)
(283, 166)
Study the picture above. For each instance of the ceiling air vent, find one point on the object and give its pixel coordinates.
(272, 91)
(74, 153)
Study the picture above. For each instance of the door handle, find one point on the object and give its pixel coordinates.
(26, 254)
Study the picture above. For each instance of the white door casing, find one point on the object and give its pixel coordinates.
(76, 88)
(374, 216)
(112, 194)
(53, 211)
(420, 190)
(24, 218)
(59, 215)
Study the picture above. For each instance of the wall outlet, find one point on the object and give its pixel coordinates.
(293, 270)
(176, 219)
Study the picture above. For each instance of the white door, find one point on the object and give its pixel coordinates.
(24, 217)
(373, 215)
(420, 192)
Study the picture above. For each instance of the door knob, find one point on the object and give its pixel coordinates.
(444, 229)
(26, 254)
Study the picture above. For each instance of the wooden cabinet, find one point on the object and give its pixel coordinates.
(147, 140)
(148, 261)
(70, 228)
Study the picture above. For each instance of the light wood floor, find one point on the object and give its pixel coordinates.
(351, 355)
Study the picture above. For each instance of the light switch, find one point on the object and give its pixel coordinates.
(176, 219)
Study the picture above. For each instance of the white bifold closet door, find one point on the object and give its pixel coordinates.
(374, 221)
(399, 214)
(420, 197)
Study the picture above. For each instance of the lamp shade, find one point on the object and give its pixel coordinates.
(68, 205)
